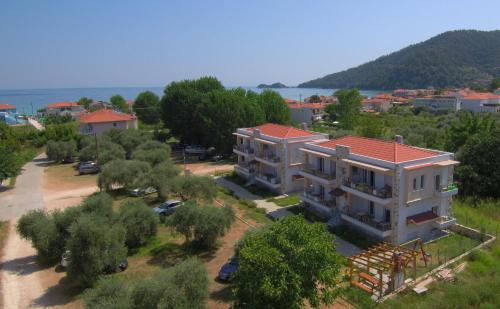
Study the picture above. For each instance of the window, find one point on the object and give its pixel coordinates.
(414, 184)
(114, 124)
(435, 209)
(387, 215)
(438, 182)
(422, 181)
(372, 209)
(321, 191)
(321, 164)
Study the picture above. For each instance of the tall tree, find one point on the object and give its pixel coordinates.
(465, 127)
(347, 111)
(274, 107)
(85, 102)
(147, 107)
(119, 103)
(286, 264)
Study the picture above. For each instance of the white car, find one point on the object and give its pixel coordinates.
(141, 192)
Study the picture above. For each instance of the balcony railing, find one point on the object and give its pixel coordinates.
(316, 172)
(244, 149)
(247, 167)
(268, 156)
(385, 192)
(371, 221)
(318, 198)
(270, 178)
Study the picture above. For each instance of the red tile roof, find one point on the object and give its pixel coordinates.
(62, 104)
(105, 115)
(479, 96)
(281, 131)
(7, 106)
(307, 105)
(379, 149)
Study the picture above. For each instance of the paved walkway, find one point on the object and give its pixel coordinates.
(35, 123)
(27, 194)
(346, 248)
(270, 207)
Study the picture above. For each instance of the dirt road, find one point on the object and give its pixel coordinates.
(24, 283)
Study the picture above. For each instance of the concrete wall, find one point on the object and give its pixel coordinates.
(100, 128)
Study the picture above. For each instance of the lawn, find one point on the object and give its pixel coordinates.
(68, 173)
(292, 199)
(249, 208)
(254, 189)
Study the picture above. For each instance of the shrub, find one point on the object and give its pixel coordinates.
(110, 292)
(122, 173)
(96, 246)
(100, 204)
(139, 221)
(195, 187)
(153, 152)
(61, 151)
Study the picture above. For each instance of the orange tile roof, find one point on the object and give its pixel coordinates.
(62, 104)
(7, 106)
(105, 115)
(479, 96)
(307, 105)
(281, 131)
(379, 149)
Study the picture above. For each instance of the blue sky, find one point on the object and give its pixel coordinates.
(59, 44)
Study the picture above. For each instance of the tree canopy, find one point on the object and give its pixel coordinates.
(119, 103)
(286, 264)
(347, 111)
(147, 107)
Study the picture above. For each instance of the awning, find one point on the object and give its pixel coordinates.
(366, 165)
(241, 135)
(316, 153)
(422, 218)
(415, 167)
(297, 177)
(337, 192)
(264, 141)
(446, 163)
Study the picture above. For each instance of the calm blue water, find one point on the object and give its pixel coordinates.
(28, 100)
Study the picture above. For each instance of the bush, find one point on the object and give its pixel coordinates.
(110, 292)
(202, 225)
(100, 204)
(59, 151)
(153, 152)
(139, 221)
(162, 177)
(195, 187)
(96, 247)
(122, 173)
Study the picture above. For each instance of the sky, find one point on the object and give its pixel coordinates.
(111, 43)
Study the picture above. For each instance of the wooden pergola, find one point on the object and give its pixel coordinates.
(370, 266)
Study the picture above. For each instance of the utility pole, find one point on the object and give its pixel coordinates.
(184, 159)
(32, 112)
(96, 149)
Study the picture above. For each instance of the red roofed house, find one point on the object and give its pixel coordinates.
(375, 104)
(388, 190)
(269, 155)
(306, 112)
(103, 120)
(479, 102)
(65, 108)
(7, 108)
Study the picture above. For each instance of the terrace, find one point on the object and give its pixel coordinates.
(243, 150)
(311, 171)
(448, 190)
(368, 223)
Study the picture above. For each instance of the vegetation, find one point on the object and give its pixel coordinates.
(85, 102)
(274, 85)
(202, 225)
(182, 286)
(119, 103)
(140, 222)
(290, 200)
(195, 187)
(57, 119)
(122, 173)
(203, 112)
(286, 264)
(348, 110)
(61, 151)
(153, 152)
(147, 107)
(451, 59)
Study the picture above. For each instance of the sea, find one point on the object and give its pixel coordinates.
(28, 101)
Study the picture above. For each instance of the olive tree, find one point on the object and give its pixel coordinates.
(61, 150)
(147, 107)
(286, 264)
(153, 152)
(163, 177)
(121, 173)
(109, 293)
(139, 221)
(195, 187)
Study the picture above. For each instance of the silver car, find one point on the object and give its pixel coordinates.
(168, 207)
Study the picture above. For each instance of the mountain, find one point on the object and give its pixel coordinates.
(275, 85)
(451, 59)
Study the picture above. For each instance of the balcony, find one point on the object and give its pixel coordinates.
(268, 158)
(381, 196)
(269, 180)
(369, 224)
(244, 168)
(317, 198)
(448, 190)
(445, 222)
(244, 150)
(320, 176)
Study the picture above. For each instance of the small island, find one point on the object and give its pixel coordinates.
(275, 85)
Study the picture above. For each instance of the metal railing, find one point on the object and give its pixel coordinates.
(271, 179)
(245, 149)
(316, 197)
(385, 192)
(450, 187)
(268, 156)
(316, 172)
(371, 221)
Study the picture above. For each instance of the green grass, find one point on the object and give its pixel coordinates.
(249, 208)
(292, 199)
(354, 237)
(254, 189)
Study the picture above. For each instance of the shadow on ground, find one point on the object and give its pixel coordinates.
(58, 295)
(23, 266)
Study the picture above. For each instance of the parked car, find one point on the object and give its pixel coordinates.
(168, 207)
(195, 149)
(226, 273)
(66, 257)
(141, 192)
(88, 167)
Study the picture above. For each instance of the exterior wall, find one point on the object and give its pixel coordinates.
(299, 115)
(65, 110)
(436, 104)
(100, 128)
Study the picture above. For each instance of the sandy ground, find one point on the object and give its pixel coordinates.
(26, 284)
(208, 168)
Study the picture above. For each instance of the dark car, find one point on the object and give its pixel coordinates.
(168, 207)
(88, 167)
(226, 273)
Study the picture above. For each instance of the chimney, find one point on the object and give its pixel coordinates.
(256, 132)
(399, 139)
(303, 125)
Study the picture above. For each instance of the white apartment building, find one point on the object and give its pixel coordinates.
(388, 190)
(269, 155)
